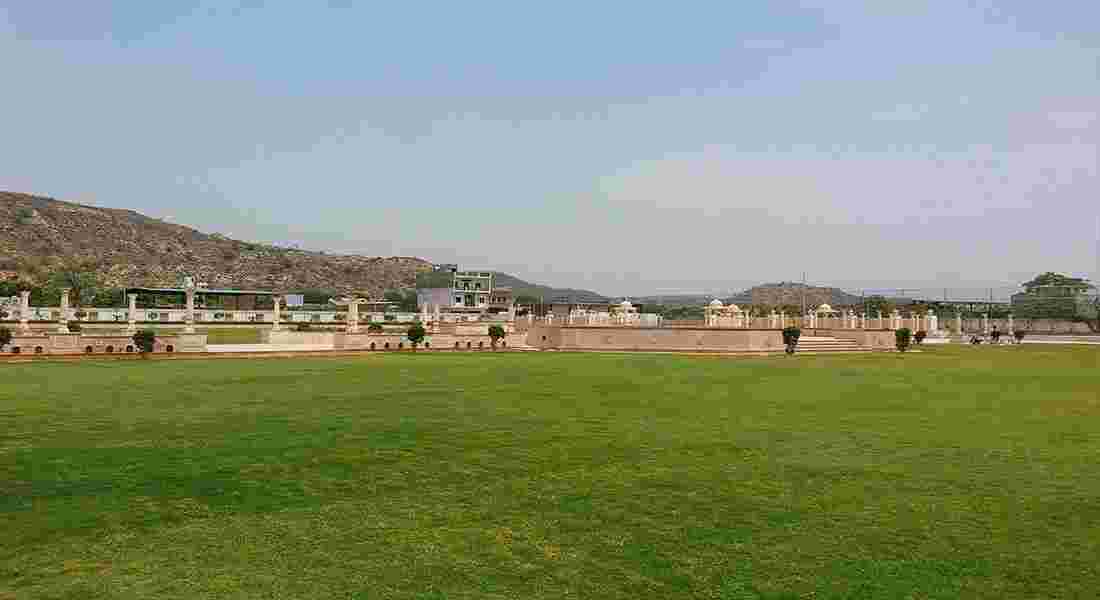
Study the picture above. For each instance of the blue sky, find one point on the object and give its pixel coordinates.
(626, 147)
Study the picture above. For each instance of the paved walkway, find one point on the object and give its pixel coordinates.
(266, 347)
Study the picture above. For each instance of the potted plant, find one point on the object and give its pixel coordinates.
(790, 339)
(902, 337)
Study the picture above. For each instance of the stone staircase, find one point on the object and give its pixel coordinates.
(815, 344)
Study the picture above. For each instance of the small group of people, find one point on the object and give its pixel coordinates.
(994, 337)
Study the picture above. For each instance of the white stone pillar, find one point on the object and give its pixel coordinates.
(131, 314)
(24, 311)
(774, 320)
(1011, 327)
(863, 320)
(189, 316)
(276, 317)
(63, 317)
(933, 321)
(959, 321)
(985, 324)
(352, 325)
(895, 319)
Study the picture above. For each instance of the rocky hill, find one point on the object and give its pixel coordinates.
(791, 293)
(128, 248)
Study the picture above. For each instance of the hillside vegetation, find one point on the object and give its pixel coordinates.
(125, 248)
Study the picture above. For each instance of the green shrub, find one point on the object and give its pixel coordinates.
(145, 340)
(303, 327)
(416, 334)
(790, 338)
(375, 328)
(5, 337)
(496, 333)
(74, 327)
(901, 338)
(919, 336)
(1019, 335)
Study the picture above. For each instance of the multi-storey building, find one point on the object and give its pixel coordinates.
(472, 290)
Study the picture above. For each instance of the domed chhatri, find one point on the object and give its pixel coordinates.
(825, 308)
(716, 303)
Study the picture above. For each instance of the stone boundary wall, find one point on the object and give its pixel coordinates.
(660, 339)
(436, 341)
(75, 343)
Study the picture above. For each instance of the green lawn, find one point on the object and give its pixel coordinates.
(955, 473)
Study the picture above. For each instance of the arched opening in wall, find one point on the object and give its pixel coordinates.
(480, 345)
(170, 348)
(128, 349)
(503, 344)
(88, 349)
(16, 350)
(400, 345)
(544, 338)
(372, 345)
(468, 345)
(427, 344)
(111, 349)
(38, 349)
(386, 346)
(456, 345)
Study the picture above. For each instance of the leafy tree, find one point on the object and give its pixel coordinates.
(790, 338)
(375, 328)
(416, 334)
(145, 340)
(5, 337)
(405, 299)
(526, 299)
(878, 305)
(496, 333)
(106, 297)
(1050, 279)
(901, 338)
(82, 282)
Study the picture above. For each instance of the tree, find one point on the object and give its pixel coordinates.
(5, 337)
(81, 281)
(416, 334)
(105, 297)
(1050, 279)
(405, 299)
(145, 340)
(901, 338)
(496, 333)
(790, 338)
(875, 305)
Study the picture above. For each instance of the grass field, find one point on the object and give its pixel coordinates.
(955, 473)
